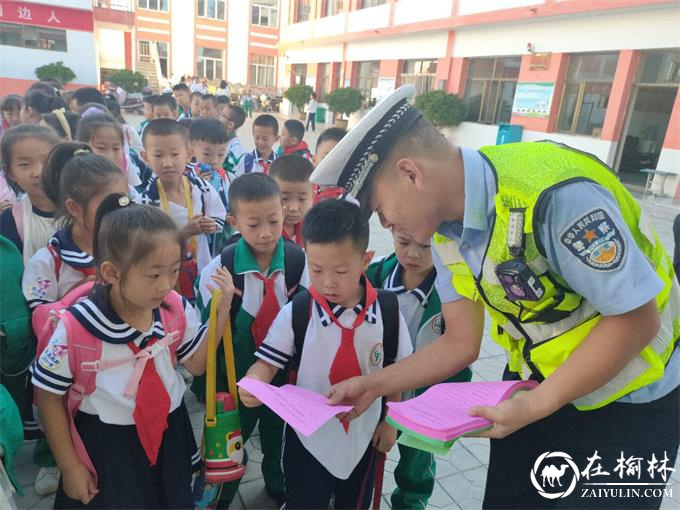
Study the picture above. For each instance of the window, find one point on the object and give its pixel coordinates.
(299, 74)
(144, 51)
(210, 64)
(367, 77)
(323, 80)
(365, 4)
(490, 89)
(27, 36)
(586, 93)
(162, 48)
(331, 7)
(262, 70)
(211, 9)
(265, 13)
(153, 5)
(303, 10)
(661, 68)
(419, 73)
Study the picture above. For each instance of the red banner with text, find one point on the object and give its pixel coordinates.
(43, 15)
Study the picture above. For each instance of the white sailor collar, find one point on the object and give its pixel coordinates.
(68, 250)
(338, 310)
(394, 283)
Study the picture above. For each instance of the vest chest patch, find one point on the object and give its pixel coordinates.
(596, 241)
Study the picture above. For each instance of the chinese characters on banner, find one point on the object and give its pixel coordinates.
(41, 15)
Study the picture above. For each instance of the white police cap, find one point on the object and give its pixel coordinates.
(351, 163)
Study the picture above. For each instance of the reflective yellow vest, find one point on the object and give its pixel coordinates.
(539, 335)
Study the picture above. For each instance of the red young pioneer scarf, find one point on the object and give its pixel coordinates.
(268, 310)
(298, 235)
(152, 406)
(345, 364)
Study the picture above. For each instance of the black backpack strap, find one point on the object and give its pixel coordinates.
(389, 309)
(301, 303)
(294, 265)
(227, 259)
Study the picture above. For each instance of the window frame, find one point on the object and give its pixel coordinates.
(416, 76)
(217, 3)
(273, 13)
(159, 3)
(297, 5)
(200, 59)
(373, 79)
(24, 29)
(375, 3)
(582, 84)
(256, 68)
(340, 8)
(488, 85)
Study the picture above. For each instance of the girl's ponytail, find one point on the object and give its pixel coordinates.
(112, 202)
(52, 172)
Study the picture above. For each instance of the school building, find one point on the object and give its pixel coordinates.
(601, 76)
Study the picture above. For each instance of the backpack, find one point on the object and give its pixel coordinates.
(85, 351)
(302, 309)
(294, 265)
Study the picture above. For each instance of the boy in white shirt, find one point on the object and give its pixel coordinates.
(344, 319)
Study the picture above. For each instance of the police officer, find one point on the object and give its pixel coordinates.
(580, 292)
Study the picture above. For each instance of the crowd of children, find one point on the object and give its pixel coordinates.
(123, 235)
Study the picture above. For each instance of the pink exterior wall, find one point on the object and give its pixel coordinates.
(622, 87)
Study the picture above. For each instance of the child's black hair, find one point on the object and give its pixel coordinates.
(237, 115)
(126, 233)
(163, 127)
(332, 133)
(42, 102)
(72, 120)
(73, 171)
(166, 100)
(113, 106)
(151, 99)
(266, 120)
(295, 129)
(42, 87)
(90, 124)
(223, 100)
(252, 187)
(21, 132)
(181, 86)
(186, 123)
(291, 168)
(11, 103)
(209, 131)
(210, 97)
(87, 95)
(196, 94)
(333, 221)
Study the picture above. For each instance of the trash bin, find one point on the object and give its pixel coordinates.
(320, 114)
(509, 133)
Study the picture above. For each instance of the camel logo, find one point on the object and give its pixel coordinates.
(551, 467)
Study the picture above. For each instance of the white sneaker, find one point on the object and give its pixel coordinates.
(47, 481)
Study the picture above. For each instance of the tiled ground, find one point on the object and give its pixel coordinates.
(461, 475)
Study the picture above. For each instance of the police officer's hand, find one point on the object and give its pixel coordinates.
(510, 415)
(357, 392)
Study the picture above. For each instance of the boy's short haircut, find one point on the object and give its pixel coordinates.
(208, 131)
(166, 100)
(266, 120)
(87, 95)
(252, 187)
(223, 100)
(11, 103)
(210, 97)
(237, 115)
(163, 127)
(291, 168)
(334, 134)
(295, 129)
(180, 86)
(196, 94)
(333, 221)
(186, 123)
(150, 99)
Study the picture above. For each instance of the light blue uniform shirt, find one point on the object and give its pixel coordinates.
(611, 292)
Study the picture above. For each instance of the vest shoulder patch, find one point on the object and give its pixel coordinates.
(595, 240)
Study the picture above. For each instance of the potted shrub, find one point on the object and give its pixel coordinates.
(298, 95)
(130, 81)
(344, 101)
(444, 110)
(55, 71)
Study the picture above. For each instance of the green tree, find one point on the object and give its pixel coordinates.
(298, 95)
(55, 71)
(344, 101)
(131, 81)
(440, 108)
